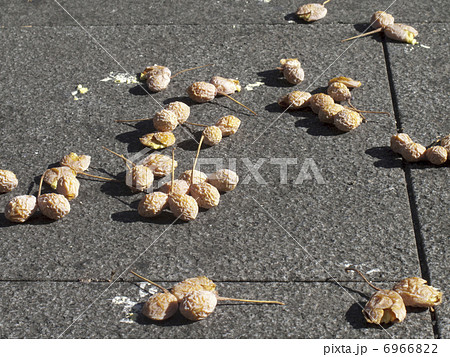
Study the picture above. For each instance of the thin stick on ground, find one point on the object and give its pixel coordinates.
(190, 69)
(362, 276)
(196, 158)
(122, 157)
(363, 34)
(149, 281)
(97, 177)
(173, 171)
(323, 4)
(220, 298)
(234, 100)
(40, 184)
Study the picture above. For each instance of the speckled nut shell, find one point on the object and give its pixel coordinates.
(224, 180)
(51, 176)
(160, 306)
(399, 141)
(225, 85)
(8, 181)
(198, 176)
(381, 19)
(165, 120)
(202, 92)
(159, 140)
(385, 306)
(289, 62)
(445, 143)
(20, 208)
(339, 92)
(319, 101)
(152, 204)
(413, 152)
(206, 195)
(292, 70)
(179, 186)
(212, 135)
(157, 78)
(415, 292)
(79, 163)
(311, 12)
(228, 124)
(187, 286)
(68, 186)
(295, 100)
(140, 178)
(183, 206)
(437, 155)
(181, 109)
(401, 32)
(198, 305)
(53, 205)
(347, 120)
(161, 165)
(326, 114)
(349, 82)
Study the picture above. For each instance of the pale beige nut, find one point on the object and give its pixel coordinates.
(158, 140)
(53, 205)
(381, 19)
(225, 85)
(347, 120)
(79, 163)
(224, 180)
(437, 155)
(311, 12)
(445, 143)
(416, 292)
(183, 206)
(165, 120)
(413, 152)
(326, 114)
(202, 92)
(160, 306)
(152, 204)
(51, 176)
(140, 178)
(292, 70)
(295, 100)
(181, 109)
(385, 306)
(319, 101)
(399, 141)
(339, 92)
(206, 195)
(157, 77)
(228, 124)
(20, 208)
(198, 176)
(212, 135)
(161, 165)
(187, 286)
(198, 305)
(401, 32)
(179, 186)
(349, 82)
(8, 181)
(69, 186)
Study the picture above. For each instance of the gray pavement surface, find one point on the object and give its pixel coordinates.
(277, 240)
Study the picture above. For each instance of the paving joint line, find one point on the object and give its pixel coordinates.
(412, 199)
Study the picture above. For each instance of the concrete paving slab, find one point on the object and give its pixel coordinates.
(312, 310)
(420, 79)
(190, 12)
(241, 239)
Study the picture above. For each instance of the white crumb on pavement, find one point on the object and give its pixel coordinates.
(253, 85)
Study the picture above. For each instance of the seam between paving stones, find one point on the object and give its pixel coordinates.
(419, 238)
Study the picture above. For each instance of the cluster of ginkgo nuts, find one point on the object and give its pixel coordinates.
(52, 205)
(413, 152)
(389, 306)
(342, 117)
(195, 298)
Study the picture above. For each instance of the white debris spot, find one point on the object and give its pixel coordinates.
(424, 46)
(147, 289)
(291, 21)
(128, 304)
(120, 78)
(373, 271)
(266, 1)
(80, 90)
(253, 85)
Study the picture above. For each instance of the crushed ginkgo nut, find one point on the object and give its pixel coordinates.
(51, 176)
(401, 32)
(160, 306)
(183, 206)
(413, 152)
(385, 306)
(295, 100)
(292, 70)
(347, 120)
(326, 114)
(79, 163)
(156, 77)
(158, 140)
(161, 165)
(311, 12)
(416, 292)
(179, 186)
(319, 101)
(437, 155)
(206, 195)
(198, 176)
(381, 19)
(181, 289)
(68, 186)
(140, 178)
(399, 142)
(339, 92)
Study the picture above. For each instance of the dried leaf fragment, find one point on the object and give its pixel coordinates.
(385, 306)
(415, 292)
